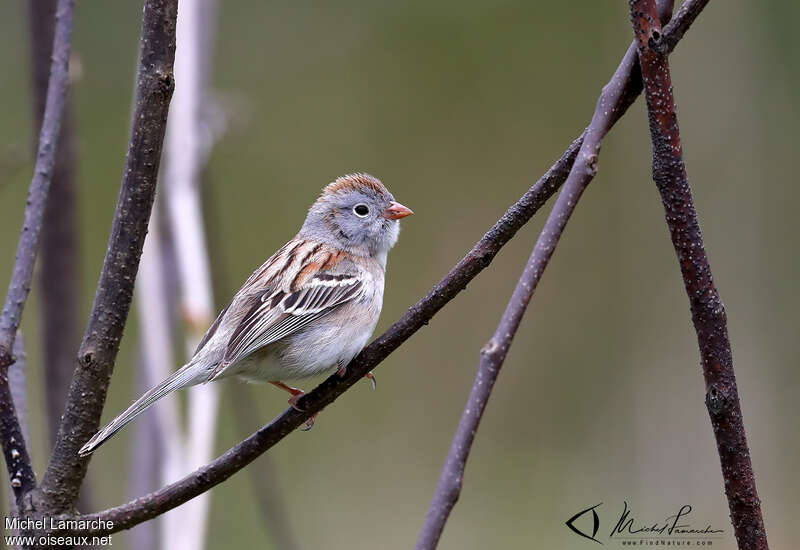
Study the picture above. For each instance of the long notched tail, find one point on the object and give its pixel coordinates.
(183, 377)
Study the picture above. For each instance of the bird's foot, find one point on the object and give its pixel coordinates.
(296, 394)
(371, 377)
(295, 398)
(309, 423)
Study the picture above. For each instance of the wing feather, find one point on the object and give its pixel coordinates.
(276, 314)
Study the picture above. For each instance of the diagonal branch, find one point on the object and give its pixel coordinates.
(493, 354)
(95, 360)
(17, 380)
(708, 313)
(156, 503)
(675, 29)
(16, 455)
(58, 271)
(239, 456)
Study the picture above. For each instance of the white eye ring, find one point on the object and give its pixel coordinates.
(361, 210)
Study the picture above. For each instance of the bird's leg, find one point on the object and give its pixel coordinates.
(371, 377)
(296, 394)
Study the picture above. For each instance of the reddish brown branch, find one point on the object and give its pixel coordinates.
(98, 351)
(708, 313)
(15, 451)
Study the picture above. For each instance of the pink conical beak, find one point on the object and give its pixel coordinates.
(396, 211)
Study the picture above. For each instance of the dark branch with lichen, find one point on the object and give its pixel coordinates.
(708, 313)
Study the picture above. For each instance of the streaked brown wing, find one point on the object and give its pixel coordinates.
(263, 276)
(277, 314)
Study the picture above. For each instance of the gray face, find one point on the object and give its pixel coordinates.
(355, 220)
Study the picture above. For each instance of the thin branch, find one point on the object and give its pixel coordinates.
(676, 28)
(480, 256)
(18, 462)
(17, 381)
(155, 302)
(58, 272)
(188, 144)
(157, 447)
(708, 312)
(493, 354)
(95, 360)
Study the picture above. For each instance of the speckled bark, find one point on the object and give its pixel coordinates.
(708, 312)
(98, 350)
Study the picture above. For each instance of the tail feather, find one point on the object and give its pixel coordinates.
(183, 377)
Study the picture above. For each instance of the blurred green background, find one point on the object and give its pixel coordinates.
(459, 107)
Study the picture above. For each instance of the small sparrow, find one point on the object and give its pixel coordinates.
(308, 310)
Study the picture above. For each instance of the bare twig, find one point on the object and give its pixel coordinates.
(58, 273)
(154, 303)
(18, 462)
(676, 28)
(708, 313)
(17, 381)
(159, 444)
(480, 256)
(95, 361)
(187, 147)
(493, 354)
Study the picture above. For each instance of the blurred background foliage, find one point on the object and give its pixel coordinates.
(459, 107)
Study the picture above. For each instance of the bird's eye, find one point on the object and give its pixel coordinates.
(361, 210)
